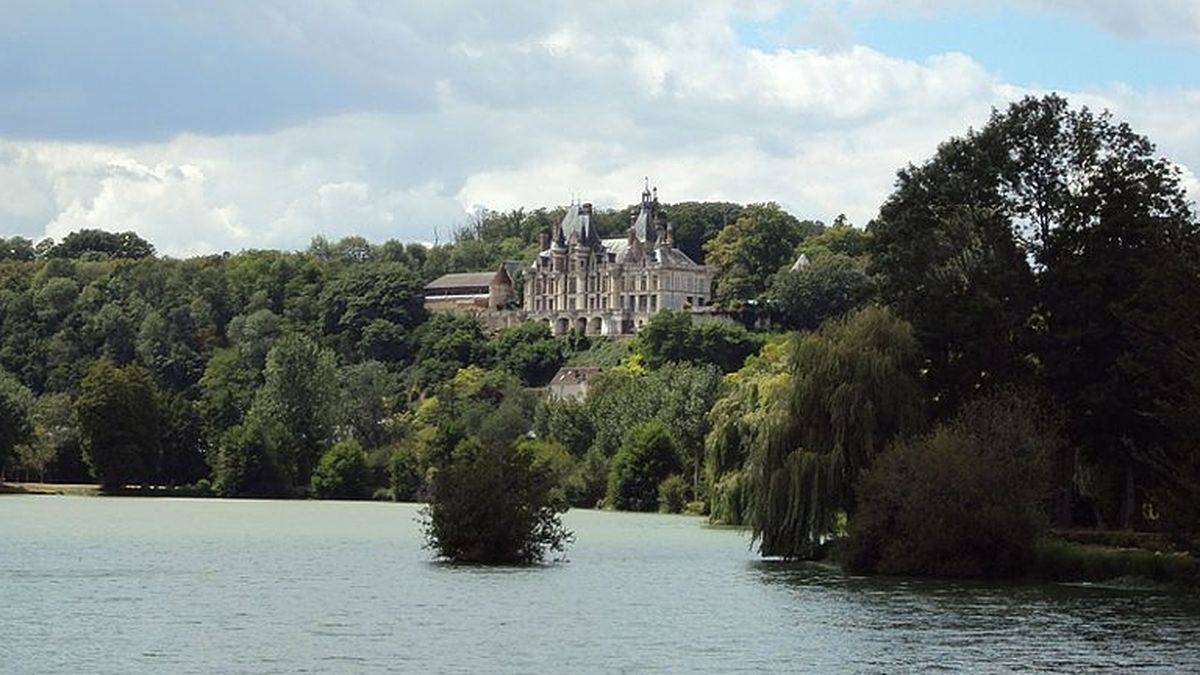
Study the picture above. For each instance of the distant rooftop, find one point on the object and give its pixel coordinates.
(461, 280)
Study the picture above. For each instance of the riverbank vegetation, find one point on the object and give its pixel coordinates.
(1012, 345)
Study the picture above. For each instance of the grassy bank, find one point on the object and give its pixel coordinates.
(1062, 560)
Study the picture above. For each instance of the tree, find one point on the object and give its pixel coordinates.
(342, 472)
(53, 449)
(671, 337)
(16, 248)
(120, 422)
(647, 456)
(16, 403)
(368, 395)
(667, 337)
(1086, 200)
(299, 398)
(248, 462)
(695, 223)
(566, 421)
(104, 244)
(368, 293)
(726, 346)
(852, 389)
(182, 460)
(495, 505)
(529, 351)
(227, 390)
(749, 250)
(969, 499)
(829, 286)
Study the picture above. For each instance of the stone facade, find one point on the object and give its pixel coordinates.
(612, 286)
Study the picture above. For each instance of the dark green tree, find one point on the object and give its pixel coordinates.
(103, 244)
(647, 456)
(529, 351)
(120, 423)
(342, 472)
(299, 398)
(16, 403)
(495, 505)
(829, 286)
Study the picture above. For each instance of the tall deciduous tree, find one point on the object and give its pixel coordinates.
(1028, 247)
(299, 397)
(749, 250)
(120, 422)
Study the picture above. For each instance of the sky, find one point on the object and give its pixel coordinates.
(221, 126)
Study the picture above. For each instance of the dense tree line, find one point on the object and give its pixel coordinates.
(1011, 343)
(1017, 333)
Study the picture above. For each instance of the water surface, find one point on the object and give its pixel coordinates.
(174, 585)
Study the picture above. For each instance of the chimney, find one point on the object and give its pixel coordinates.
(543, 241)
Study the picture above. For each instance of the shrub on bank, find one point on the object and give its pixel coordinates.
(968, 500)
(1060, 560)
(673, 494)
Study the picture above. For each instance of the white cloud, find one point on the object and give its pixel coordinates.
(585, 102)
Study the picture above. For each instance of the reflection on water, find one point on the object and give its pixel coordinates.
(143, 585)
(965, 625)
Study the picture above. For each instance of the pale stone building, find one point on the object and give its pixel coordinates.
(612, 286)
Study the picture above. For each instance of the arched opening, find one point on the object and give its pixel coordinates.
(594, 326)
(564, 325)
(581, 324)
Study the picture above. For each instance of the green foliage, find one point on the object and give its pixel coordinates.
(828, 287)
(840, 238)
(566, 421)
(297, 399)
(342, 472)
(729, 500)
(646, 457)
(181, 460)
(103, 244)
(695, 223)
(749, 250)
(248, 462)
(367, 301)
(405, 479)
(369, 394)
(588, 485)
(673, 494)
(969, 499)
(852, 389)
(671, 337)
(678, 396)
(120, 422)
(16, 404)
(495, 505)
(667, 338)
(1066, 561)
(529, 351)
(602, 353)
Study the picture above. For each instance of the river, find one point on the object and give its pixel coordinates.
(122, 585)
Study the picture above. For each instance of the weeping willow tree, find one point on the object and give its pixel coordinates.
(852, 388)
(733, 421)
